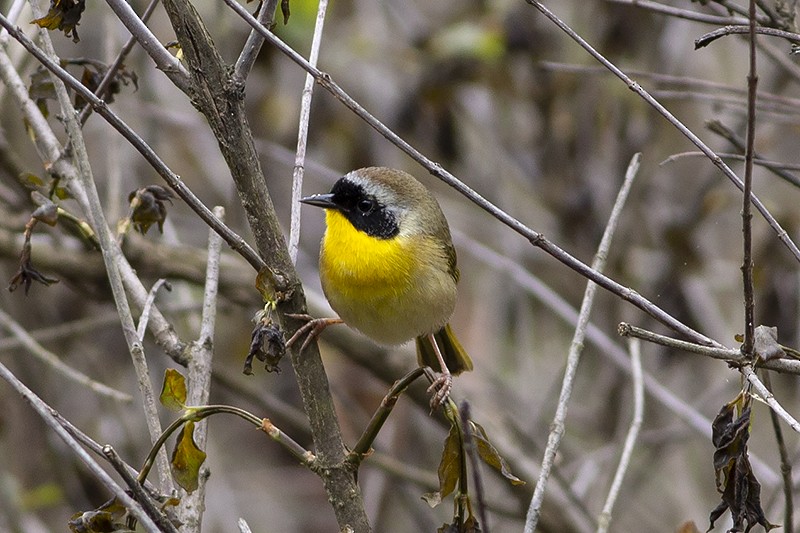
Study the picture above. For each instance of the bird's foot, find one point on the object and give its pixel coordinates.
(311, 329)
(440, 390)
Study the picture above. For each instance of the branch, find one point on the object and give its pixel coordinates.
(747, 217)
(712, 36)
(47, 415)
(302, 134)
(635, 87)
(787, 366)
(251, 48)
(163, 59)
(630, 439)
(686, 14)
(220, 98)
(199, 376)
(535, 238)
(53, 361)
(767, 396)
(558, 425)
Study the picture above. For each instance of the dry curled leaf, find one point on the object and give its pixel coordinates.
(737, 484)
(64, 15)
(148, 207)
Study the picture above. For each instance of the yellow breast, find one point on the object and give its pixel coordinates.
(355, 261)
(384, 287)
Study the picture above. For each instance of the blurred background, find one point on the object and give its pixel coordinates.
(515, 109)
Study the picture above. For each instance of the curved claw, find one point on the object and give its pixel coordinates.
(311, 329)
(442, 387)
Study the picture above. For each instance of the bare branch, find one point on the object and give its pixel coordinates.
(630, 440)
(302, 133)
(663, 111)
(251, 48)
(687, 14)
(788, 366)
(164, 61)
(768, 397)
(747, 217)
(535, 238)
(46, 414)
(557, 426)
(712, 36)
(199, 378)
(54, 362)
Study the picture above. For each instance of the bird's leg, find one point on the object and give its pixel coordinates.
(311, 329)
(444, 383)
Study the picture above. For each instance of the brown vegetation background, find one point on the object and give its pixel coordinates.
(511, 106)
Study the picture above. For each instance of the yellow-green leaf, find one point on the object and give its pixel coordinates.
(173, 392)
(491, 456)
(449, 468)
(187, 459)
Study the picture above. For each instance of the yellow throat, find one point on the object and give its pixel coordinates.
(354, 261)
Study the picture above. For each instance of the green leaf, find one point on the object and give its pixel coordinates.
(491, 456)
(449, 468)
(173, 392)
(187, 459)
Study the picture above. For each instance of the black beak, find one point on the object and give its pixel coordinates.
(320, 200)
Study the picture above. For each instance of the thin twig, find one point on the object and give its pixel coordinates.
(251, 48)
(53, 361)
(199, 375)
(144, 318)
(362, 447)
(786, 464)
(686, 14)
(787, 366)
(163, 59)
(712, 36)
(302, 133)
(535, 238)
(575, 350)
(112, 70)
(46, 414)
(112, 257)
(138, 491)
(769, 164)
(780, 102)
(236, 242)
(472, 453)
(768, 397)
(663, 111)
(630, 440)
(304, 456)
(722, 130)
(747, 217)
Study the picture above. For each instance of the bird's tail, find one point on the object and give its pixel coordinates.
(455, 357)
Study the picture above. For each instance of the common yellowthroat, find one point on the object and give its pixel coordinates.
(388, 266)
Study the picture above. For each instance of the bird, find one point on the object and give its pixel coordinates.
(387, 266)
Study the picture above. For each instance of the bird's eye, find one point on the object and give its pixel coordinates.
(365, 206)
